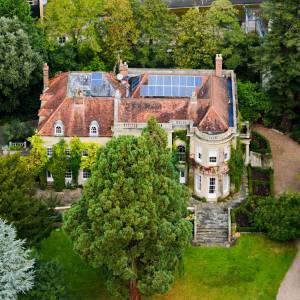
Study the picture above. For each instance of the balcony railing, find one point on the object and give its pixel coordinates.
(214, 137)
(140, 125)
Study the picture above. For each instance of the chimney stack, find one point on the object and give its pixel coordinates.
(123, 68)
(219, 65)
(46, 76)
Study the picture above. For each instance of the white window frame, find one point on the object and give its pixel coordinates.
(85, 153)
(213, 154)
(226, 183)
(49, 151)
(226, 153)
(86, 174)
(94, 128)
(58, 125)
(198, 183)
(181, 152)
(68, 174)
(210, 180)
(198, 154)
(68, 152)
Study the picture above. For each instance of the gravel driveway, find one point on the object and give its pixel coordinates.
(286, 160)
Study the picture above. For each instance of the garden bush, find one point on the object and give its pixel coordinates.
(279, 217)
(259, 143)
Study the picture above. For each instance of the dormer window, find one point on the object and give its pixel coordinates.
(94, 129)
(58, 128)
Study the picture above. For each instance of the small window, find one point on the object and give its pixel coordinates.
(181, 153)
(94, 129)
(227, 153)
(85, 153)
(68, 152)
(86, 174)
(49, 151)
(62, 40)
(58, 128)
(212, 157)
(198, 153)
(68, 174)
(212, 185)
(198, 183)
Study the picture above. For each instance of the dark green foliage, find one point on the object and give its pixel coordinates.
(279, 217)
(20, 63)
(236, 165)
(58, 165)
(17, 130)
(130, 219)
(32, 217)
(18, 8)
(157, 29)
(254, 104)
(49, 283)
(260, 181)
(280, 58)
(259, 143)
(75, 158)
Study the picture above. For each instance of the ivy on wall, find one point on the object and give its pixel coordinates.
(236, 166)
(87, 162)
(76, 148)
(58, 165)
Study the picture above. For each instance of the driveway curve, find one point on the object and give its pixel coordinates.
(286, 160)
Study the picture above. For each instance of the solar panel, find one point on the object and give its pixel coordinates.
(170, 86)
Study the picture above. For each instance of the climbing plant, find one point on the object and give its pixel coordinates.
(75, 158)
(58, 164)
(87, 162)
(236, 166)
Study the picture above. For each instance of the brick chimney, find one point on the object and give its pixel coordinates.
(46, 76)
(219, 60)
(123, 67)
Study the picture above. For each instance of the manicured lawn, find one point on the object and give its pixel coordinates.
(253, 270)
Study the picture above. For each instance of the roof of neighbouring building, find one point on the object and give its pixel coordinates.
(78, 98)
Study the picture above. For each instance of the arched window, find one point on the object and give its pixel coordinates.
(59, 128)
(181, 153)
(94, 129)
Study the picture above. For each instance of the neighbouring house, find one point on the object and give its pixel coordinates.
(201, 105)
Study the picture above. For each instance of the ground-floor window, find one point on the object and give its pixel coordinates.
(68, 174)
(212, 186)
(225, 183)
(198, 183)
(86, 174)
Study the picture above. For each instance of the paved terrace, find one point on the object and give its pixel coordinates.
(204, 3)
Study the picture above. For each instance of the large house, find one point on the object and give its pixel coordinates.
(96, 106)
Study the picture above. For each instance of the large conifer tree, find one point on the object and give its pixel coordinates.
(131, 217)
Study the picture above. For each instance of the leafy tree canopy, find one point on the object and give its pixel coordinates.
(16, 267)
(130, 218)
(254, 103)
(280, 60)
(32, 217)
(19, 63)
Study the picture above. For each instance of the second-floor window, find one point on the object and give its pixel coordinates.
(212, 158)
(198, 154)
(94, 129)
(49, 151)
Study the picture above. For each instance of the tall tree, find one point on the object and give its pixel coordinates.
(117, 31)
(156, 24)
(19, 63)
(16, 267)
(32, 217)
(195, 46)
(130, 219)
(280, 60)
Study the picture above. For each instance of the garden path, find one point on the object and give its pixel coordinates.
(286, 160)
(290, 286)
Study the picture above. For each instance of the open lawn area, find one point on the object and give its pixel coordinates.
(253, 270)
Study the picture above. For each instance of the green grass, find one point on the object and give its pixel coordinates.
(252, 270)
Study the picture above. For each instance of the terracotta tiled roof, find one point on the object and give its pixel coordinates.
(209, 112)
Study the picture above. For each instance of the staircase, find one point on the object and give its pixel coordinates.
(211, 225)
